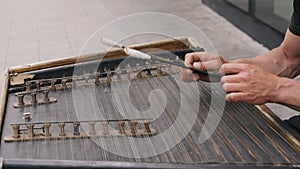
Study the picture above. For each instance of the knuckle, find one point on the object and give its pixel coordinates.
(247, 78)
(204, 53)
(222, 67)
(246, 66)
(250, 97)
(186, 63)
(215, 56)
(189, 55)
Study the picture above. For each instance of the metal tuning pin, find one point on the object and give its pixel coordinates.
(61, 129)
(121, 125)
(76, 126)
(92, 128)
(46, 127)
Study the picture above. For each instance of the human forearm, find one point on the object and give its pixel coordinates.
(274, 61)
(287, 93)
(283, 61)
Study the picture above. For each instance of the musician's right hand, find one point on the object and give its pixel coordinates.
(203, 61)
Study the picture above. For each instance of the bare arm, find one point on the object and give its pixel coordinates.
(260, 86)
(252, 84)
(264, 78)
(283, 61)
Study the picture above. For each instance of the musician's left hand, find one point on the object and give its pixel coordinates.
(248, 83)
(202, 61)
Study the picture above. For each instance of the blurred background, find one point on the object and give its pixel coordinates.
(274, 13)
(265, 20)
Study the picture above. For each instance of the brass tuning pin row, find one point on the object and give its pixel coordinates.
(101, 128)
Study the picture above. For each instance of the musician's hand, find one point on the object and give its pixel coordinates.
(203, 61)
(248, 83)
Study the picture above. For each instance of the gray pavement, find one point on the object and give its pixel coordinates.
(34, 30)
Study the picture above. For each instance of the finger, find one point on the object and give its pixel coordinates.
(235, 97)
(208, 65)
(230, 79)
(196, 77)
(233, 68)
(186, 75)
(233, 87)
(190, 58)
(205, 56)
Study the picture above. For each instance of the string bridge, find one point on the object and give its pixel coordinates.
(56, 130)
(34, 100)
(34, 88)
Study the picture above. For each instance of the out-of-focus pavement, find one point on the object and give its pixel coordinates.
(35, 30)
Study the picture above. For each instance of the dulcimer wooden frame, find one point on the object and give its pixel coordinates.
(17, 75)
